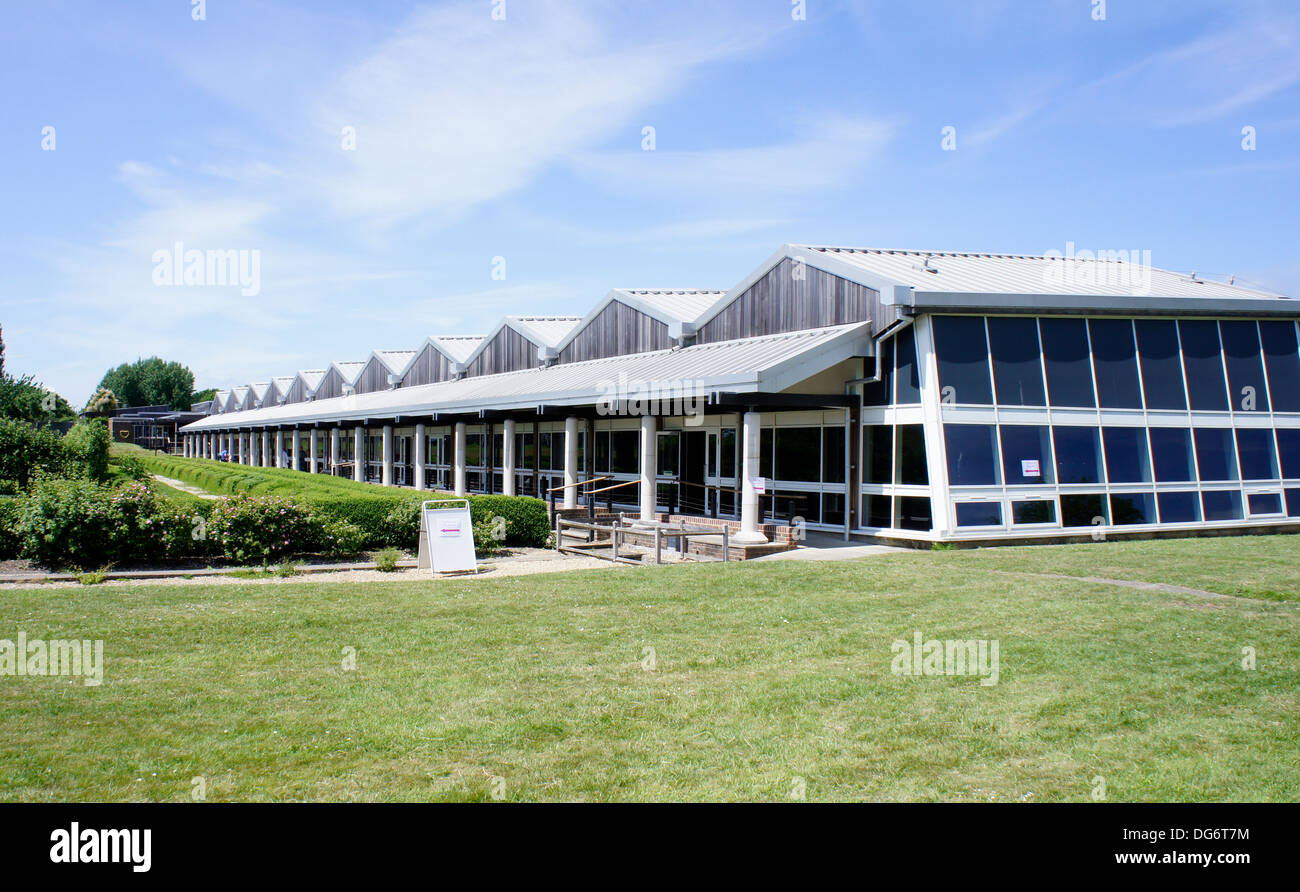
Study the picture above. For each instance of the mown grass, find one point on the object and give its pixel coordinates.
(767, 676)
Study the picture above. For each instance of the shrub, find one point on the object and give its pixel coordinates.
(9, 538)
(94, 577)
(386, 560)
(65, 523)
(26, 451)
(85, 449)
(261, 529)
(486, 540)
(131, 467)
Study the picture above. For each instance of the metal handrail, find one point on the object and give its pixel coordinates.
(580, 483)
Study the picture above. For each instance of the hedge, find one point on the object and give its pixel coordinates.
(27, 452)
(387, 516)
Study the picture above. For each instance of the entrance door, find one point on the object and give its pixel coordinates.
(693, 495)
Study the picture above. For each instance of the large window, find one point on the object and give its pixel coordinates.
(1204, 364)
(1221, 504)
(1017, 369)
(1288, 445)
(1215, 454)
(1179, 507)
(1065, 351)
(1126, 455)
(1162, 371)
(1172, 449)
(881, 393)
(972, 454)
(910, 462)
(1078, 455)
(1115, 360)
(963, 357)
(832, 455)
(1026, 454)
(1279, 342)
(979, 514)
(914, 513)
(798, 453)
(909, 380)
(1245, 369)
(878, 454)
(1084, 510)
(1131, 508)
(1255, 450)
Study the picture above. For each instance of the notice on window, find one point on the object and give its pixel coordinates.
(759, 484)
(1029, 467)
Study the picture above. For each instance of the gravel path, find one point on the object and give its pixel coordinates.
(184, 487)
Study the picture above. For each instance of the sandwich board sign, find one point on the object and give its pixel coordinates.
(447, 532)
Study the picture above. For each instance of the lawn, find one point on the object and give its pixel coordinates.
(769, 678)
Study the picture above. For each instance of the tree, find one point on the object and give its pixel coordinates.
(24, 399)
(104, 402)
(150, 382)
(202, 396)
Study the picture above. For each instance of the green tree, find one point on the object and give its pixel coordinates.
(102, 403)
(151, 382)
(25, 399)
(202, 396)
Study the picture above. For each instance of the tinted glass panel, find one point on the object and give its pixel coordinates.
(1245, 368)
(1132, 507)
(624, 448)
(1115, 359)
(1083, 510)
(833, 507)
(878, 511)
(881, 392)
(1069, 374)
(833, 455)
(1162, 371)
(1255, 449)
(914, 513)
(909, 384)
(911, 455)
(798, 453)
(1179, 507)
(1017, 367)
(1221, 505)
(878, 454)
(1172, 450)
(979, 514)
(1283, 364)
(1265, 503)
(1293, 503)
(727, 446)
(972, 454)
(1026, 454)
(1204, 364)
(962, 354)
(1034, 511)
(765, 450)
(1288, 444)
(1215, 455)
(1078, 455)
(1126, 455)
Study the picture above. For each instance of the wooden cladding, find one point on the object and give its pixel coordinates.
(330, 386)
(374, 377)
(508, 351)
(617, 330)
(430, 367)
(780, 302)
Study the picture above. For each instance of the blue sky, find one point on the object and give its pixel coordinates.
(522, 138)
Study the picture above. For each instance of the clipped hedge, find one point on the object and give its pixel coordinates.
(387, 516)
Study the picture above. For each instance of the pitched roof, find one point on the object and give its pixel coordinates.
(395, 361)
(456, 347)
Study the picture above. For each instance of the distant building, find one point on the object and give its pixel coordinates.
(153, 427)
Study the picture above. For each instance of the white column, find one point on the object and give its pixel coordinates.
(311, 450)
(279, 448)
(266, 449)
(649, 466)
(212, 445)
(359, 453)
(335, 439)
(239, 448)
(570, 462)
(387, 476)
(294, 461)
(458, 457)
(508, 458)
(419, 456)
(750, 446)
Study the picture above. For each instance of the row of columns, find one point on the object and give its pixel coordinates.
(243, 448)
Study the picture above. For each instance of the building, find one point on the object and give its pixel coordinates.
(154, 427)
(910, 395)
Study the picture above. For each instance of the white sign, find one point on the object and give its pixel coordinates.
(759, 484)
(449, 533)
(1029, 468)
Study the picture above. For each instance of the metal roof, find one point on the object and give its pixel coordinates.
(350, 371)
(311, 379)
(457, 348)
(949, 271)
(675, 307)
(770, 363)
(544, 331)
(395, 360)
(259, 390)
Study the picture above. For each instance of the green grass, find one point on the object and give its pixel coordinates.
(231, 478)
(766, 673)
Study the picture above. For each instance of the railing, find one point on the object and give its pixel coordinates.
(618, 529)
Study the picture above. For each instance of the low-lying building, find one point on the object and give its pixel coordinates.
(897, 394)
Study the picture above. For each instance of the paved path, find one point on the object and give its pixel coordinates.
(185, 487)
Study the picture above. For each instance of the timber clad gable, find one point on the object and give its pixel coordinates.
(781, 302)
(617, 330)
(507, 351)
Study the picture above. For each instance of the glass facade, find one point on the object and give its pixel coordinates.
(1073, 423)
